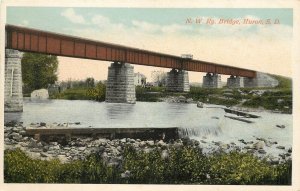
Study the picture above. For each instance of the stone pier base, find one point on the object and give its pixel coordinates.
(212, 81)
(178, 81)
(120, 83)
(13, 96)
(235, 82)
(261, 80)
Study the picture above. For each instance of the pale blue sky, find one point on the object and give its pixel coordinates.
(51, 18)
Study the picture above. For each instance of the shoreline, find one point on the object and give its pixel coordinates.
(183, 100)
(79, 147)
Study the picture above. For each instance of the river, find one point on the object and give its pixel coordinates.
(200, 123)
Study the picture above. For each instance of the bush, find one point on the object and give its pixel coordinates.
(97, 93)
(73, 94)
(151, 94)
(186, 165)
(270, 100)
(18, 167)
(284, 82)
(240, 168)
(83, 93)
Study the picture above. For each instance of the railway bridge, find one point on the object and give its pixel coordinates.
(120, 82)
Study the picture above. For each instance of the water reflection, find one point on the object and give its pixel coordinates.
(177, 108)
(13, 117)
(118, 110)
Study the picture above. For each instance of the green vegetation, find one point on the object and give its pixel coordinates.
(278, 98)
(77, 93)
(38, 71)
(186, 165)
(214, 96)
(281, 100)
(97, 93)
(150, 94)
(284, 82)
(83, 92)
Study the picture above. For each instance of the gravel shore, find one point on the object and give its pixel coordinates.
(111, 150)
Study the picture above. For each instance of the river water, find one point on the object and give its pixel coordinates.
(199, 123)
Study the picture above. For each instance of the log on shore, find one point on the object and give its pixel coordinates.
(110, 133)
(239, 119)
(240, 113)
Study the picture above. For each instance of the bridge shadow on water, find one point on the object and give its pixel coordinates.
(118, 110)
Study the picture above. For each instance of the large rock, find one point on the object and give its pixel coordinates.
(126, 174)
(164, 154)
(280, 147)
(259, 145)
(39, 94)
(32, 143)
(261, 151)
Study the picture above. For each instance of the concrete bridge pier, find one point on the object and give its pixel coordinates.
(261, 80)
(178, 81)
(250, 82)
(13, 96)
(212, 80)
(235, 82)
(120, 83)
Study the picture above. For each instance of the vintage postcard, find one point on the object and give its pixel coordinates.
(149, 95)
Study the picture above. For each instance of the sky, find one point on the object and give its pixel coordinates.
(230, 40)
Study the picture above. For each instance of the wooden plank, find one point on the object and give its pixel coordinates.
(54, 130)
(142, 133)
(239, 119)
(240, 113)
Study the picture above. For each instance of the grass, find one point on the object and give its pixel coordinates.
(73, 94)
(284, 82)
(280, 100)
(151, 94)
(186, 165)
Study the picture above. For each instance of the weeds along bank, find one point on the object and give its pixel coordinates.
(185, 165)
(98, 160)
(274, 99)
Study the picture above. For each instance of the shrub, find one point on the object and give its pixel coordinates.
(240, 168)
(186, 165)
(18, 167)
(97, 93)
(73, 94)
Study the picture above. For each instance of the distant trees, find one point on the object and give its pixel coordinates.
(38, 71)
(159, 78)
(87, 83)
(90, 82)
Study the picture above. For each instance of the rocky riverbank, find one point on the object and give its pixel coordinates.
(80, 147)
(260, 147)
(112, 150)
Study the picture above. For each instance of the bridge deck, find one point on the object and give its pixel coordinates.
(32, 40)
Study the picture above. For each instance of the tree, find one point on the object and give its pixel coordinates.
(159, 78)
(38, 71)
(97, 93)
(90, 82)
